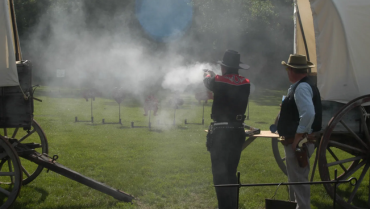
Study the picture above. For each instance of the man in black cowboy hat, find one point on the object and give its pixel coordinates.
(226, 134)
(300, 117)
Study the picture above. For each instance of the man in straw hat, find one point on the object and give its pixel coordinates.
(226, 134)
(300, 117)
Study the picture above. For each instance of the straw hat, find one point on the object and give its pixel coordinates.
(298, 61)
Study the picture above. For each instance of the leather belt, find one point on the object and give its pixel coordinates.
(287, 140)
(227, 124)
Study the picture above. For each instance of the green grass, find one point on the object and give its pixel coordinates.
(166, 167)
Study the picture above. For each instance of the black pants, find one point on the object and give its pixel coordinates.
(225, 146)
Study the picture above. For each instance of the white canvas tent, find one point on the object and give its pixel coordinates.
(337, 34)
(8, 68)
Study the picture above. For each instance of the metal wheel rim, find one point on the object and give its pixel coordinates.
(30, 173)
(357, 165)
(275, 150)
(279, 159)
(8, 152)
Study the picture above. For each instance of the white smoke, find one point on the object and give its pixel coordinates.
(181, 77)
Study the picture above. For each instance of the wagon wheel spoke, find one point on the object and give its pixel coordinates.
(352, 171)
(351, 150)
(364, 125)
(358, 183)
(25, 172)
(368, 201)
(344, 161)
(7, 174)
(5, 132)
(27, 135)
(10, 170)
(4, 191)
(354, 134)
(10, 165)
(15, 132)
(346, 147)
(336, 158)
(37, 141)
(278, 154)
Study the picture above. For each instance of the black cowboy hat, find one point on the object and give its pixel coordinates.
(231, 59)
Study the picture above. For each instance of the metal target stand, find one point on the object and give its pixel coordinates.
(149, 122)
(119, 117)
(92, 116)
(186, 120)
(119, 95)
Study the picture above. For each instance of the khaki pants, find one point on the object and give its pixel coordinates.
(298, 193)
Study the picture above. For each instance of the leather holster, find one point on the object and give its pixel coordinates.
(287, 140)
(302, 156)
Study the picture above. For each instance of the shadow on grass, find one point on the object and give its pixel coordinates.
(113, 103)
(44, 195)
(77, 206)
(156, 130)
(93, 124)
(140, 126)
(87, 122)
(182, 127)
(42, 191)
(111, 123)
(344, 193)
(259, 122)
(123, 127)
(321, 205)
(194, 123)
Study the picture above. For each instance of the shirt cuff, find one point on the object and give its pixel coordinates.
(303, 129)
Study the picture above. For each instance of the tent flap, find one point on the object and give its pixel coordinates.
(340, 29)
(8, 68)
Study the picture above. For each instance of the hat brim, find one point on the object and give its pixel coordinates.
(241, 65)
(309, 65)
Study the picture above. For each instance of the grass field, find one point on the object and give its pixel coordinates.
(165, 167)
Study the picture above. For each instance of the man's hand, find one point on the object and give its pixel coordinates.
(298, 137)
(209, 72)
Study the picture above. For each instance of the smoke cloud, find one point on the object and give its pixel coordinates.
(102, 45)
(181, 77)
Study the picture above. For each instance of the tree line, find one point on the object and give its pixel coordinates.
(257, 28)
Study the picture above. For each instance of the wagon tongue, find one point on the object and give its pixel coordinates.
(51, 164)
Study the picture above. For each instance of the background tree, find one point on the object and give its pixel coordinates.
(261, 30)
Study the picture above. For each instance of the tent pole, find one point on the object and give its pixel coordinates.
(302, 31)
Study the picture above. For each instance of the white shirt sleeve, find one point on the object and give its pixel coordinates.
(303, 98)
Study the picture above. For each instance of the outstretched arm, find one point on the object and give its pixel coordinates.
(209, 80)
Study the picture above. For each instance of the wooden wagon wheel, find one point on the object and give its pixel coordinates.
(37, 136)
(10, 170)
(278, 150)
(347, 149)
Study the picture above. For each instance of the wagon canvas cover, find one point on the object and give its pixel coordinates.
(8, 68)
(338, 39)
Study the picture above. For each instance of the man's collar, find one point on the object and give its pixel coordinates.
(294, 84)
(228, 73)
